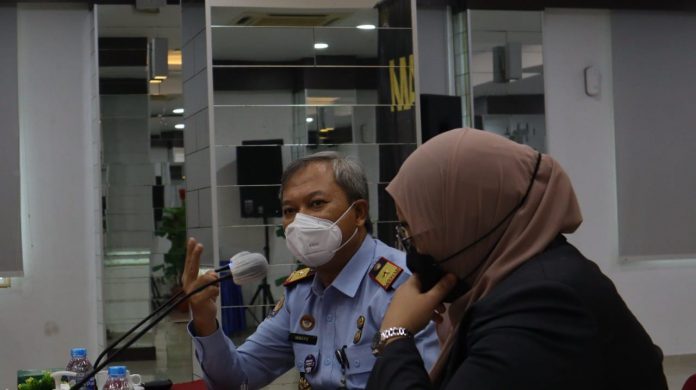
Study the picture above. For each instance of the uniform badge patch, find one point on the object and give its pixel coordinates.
(277, 307)
(307, 322)
(296, 276)
(310, 363)
(384, 272)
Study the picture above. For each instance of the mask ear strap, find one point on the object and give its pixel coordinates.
(502, 221)
(347, 241)
(344, 213)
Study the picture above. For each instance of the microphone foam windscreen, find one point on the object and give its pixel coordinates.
(248, 267)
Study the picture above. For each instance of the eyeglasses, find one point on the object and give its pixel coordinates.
(403, 240)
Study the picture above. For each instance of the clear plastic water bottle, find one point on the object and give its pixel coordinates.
(81, 366)
(117, 379)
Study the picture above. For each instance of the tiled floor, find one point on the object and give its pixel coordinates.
(174, 361)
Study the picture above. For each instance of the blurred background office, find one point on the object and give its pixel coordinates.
(128, 125)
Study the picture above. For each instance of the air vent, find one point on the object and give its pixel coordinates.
(287, 20)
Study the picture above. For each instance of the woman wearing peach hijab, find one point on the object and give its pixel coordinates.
(483, 220)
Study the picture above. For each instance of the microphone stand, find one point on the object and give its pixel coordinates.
(176, 299)
(131, 330)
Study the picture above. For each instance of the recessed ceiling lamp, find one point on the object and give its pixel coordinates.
(366, 26)
(321, 45)
(179, 126)
(178, 111)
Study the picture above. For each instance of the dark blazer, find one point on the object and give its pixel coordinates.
(556, 322)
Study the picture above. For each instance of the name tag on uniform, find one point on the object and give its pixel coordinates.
(303, 338)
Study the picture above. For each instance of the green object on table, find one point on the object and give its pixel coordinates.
(34, 380)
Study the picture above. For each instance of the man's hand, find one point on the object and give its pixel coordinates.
(203, 307)
(412, 309)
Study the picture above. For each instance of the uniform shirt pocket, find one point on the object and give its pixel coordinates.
(361, 361)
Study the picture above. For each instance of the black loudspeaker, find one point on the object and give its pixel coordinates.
(439, 113)
(259, 167)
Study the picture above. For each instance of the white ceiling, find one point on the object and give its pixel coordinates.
(126, 21)
(250, 43)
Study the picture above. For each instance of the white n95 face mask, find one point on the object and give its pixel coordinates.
(314, 241)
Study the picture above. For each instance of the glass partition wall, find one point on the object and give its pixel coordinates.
(506, 74)
(281, 84)
(143, 184)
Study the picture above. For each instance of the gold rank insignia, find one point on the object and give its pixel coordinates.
(384, 272)
(296, 276)
(277, 307)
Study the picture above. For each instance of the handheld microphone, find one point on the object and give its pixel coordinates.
(244, 267)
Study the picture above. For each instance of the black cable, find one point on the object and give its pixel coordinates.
(159, 318)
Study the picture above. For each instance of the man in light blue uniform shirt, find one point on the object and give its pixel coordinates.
(325, 323)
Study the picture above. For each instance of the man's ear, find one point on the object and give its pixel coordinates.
(362, 211)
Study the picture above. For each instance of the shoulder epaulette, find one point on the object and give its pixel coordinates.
(297, 276)
(384, 273)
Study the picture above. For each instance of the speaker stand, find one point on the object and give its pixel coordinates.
(263, 291)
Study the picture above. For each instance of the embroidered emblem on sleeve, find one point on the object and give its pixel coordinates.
(277, 307)
(384, 272)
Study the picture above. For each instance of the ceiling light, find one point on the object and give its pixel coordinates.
(178, 111)
(174, 58)
(310, 119)
(155, 81)
(326, 130)
(321, 45)
(320, 100)
(366, 26)
(179, 126)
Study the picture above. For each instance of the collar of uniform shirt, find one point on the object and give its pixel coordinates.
(348, 280)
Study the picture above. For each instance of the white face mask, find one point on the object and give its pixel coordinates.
(314, 241)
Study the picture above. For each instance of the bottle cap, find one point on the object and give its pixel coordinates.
(78, 353)
(117, 371)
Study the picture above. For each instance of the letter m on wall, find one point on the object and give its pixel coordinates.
(401, 83)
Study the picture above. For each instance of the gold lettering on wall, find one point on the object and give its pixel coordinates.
(403, 90)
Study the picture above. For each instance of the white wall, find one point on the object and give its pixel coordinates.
(581, 137)
(655, 137)
(54, 306)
